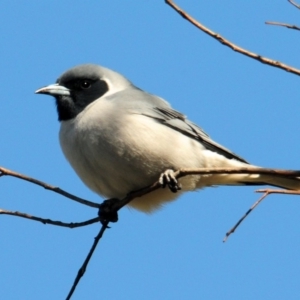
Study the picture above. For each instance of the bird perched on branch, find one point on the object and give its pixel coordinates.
(119, 139)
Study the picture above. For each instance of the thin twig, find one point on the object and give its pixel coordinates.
(48, 221)
(232, 230)
(231, 45)
(82, 270)
(294, 3)
(282, 192)
(6, 172)
(266, 193)
(282, 24)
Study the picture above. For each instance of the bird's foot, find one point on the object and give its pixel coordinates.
(107, 211)
(167, 178)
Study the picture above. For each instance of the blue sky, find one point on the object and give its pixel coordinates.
(176, 253)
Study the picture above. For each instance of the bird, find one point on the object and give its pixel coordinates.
(119, 138)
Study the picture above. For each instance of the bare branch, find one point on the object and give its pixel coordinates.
(6, 172)
(282, 192)
(48, 221)
(117, 207)
(266, 193)
(282, 24)
(294, 3)
(232, 230)
(82, 270)
(156, 185)
(231, 45)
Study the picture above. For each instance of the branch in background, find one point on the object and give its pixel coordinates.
(266, 192)
(231, 45)
(283, 24)
(6, 172)
(294, 3)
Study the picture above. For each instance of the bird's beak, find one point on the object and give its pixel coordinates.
(54, 90)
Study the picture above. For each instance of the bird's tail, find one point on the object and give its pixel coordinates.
(252, 179)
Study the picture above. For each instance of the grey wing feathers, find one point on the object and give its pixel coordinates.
(178, 121)
(157, 108)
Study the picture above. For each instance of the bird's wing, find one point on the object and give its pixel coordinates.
(137, 101)
(177, 121)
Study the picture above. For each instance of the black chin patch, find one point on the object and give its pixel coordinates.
(68, 107)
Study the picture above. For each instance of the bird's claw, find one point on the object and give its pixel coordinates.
(107, 212)
(168, 178)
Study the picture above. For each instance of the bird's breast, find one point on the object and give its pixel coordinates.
(107, 154)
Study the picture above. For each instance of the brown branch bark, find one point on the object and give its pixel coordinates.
(6, 172)
(156, 185)
(283, 25)
(231, 45)
(282, 192)
(266, 192)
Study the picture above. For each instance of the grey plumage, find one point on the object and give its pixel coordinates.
(119, 138)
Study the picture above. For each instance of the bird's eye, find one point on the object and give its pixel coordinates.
(85, 84)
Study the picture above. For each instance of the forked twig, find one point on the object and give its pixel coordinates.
(136, 194)
(282, 192)
(182, 173)
(266, 192)
(231, 45)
